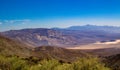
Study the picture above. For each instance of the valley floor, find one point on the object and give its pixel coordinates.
(99, 45)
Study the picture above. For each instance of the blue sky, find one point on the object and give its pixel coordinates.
(19, 14)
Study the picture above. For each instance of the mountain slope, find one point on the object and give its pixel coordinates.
(63, 37)
(37, 37)
(48, 52)
(10, 47)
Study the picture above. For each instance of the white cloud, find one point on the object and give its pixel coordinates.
(15, 21)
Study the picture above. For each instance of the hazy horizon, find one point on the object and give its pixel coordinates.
(57, 13)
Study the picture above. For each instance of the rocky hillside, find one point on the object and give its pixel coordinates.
(38, 37)
(61, 37)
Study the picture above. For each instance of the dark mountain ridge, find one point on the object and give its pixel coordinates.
(112, 29)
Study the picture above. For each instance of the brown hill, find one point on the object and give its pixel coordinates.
(48, 52)
(11, 47)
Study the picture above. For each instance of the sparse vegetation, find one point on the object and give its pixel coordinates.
(17, 63)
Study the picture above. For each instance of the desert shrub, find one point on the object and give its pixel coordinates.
(81, 64)
(4, 64)
(16, 63)
(36, 67)
(46, 65)
(64, 66)
(12, 63)
(89, 64)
